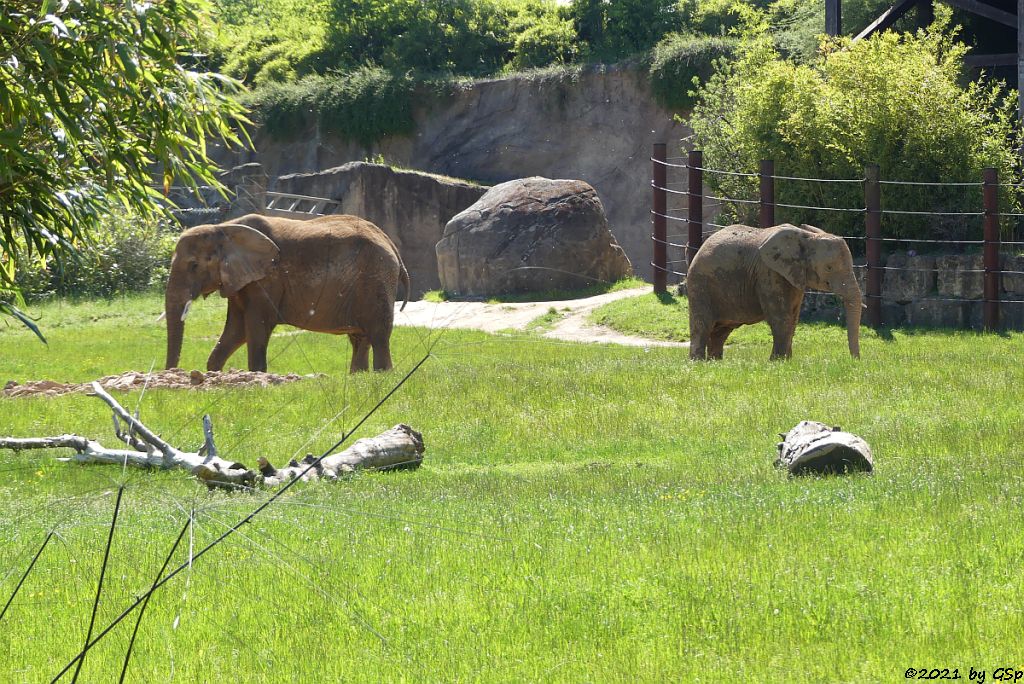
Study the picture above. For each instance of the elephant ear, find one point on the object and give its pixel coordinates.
(249, 255)
(784, 253)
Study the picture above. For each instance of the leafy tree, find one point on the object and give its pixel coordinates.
(896, 100)
(614, 29)
(93, 96)
(468, 37)
(268, 41)
(680, 62)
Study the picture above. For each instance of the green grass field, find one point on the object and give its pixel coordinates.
(584, 512)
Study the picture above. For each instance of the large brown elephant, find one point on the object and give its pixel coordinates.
(745, 275)
(333, 274)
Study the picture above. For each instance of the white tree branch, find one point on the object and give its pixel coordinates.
(399, 447)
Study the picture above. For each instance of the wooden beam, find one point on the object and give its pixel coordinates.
(834, 17)
(978, 61)
(1020, 60)
(925, 13)
(888, 18)
(985, 10)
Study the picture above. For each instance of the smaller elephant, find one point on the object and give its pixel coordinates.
(743, 275)
(335, 274)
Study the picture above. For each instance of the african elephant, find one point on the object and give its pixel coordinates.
(334, 274)
(744, 275)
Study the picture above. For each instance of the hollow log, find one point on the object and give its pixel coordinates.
(398, 448)
(812, 447)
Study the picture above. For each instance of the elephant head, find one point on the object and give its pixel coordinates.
(808, 257)
(215, 258)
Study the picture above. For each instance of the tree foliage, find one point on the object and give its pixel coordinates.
(895, 100)
(125, 254)
(680, 62)
(93, 96)
(613, 29)
(364, 105)
(456, 36)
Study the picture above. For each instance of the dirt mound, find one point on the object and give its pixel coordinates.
(175, 378)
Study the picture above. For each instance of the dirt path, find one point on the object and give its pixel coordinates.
(571, 326)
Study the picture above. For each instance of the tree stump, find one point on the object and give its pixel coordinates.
(813, 447)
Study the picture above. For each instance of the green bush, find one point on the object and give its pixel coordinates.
(468, 37)
(268, 41)
(616, 29)
(126, 255)
(680, 62)
(895, 100)
(364, 105)
(546, 41)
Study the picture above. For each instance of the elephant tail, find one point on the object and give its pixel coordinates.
(406, 281)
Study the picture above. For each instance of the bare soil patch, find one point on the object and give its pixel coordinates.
(174, 378)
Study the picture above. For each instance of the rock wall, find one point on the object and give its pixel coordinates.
(597, 126)
(411, 207)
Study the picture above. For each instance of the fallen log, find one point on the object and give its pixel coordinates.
(401, 447)
(812, 447)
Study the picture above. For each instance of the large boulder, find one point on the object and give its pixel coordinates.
(531, 234)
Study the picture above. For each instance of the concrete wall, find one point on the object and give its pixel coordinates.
(598, 127)
(935, 291)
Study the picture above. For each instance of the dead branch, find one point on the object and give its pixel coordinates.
(399, 447)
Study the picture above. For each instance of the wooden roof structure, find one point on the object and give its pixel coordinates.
(996, 19)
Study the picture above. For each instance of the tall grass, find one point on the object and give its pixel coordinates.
(584, 512)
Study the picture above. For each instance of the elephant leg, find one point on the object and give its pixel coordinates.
(781, 306)
(258, 326)
(700, 327)
(783, 328)
(360, 353)
(230, 340)
(698, 345)
(382, 354)
(716, 340)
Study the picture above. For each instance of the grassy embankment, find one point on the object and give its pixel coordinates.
(584, 512)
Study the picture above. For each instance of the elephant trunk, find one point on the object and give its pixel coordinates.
(853, 304)
(176, 303)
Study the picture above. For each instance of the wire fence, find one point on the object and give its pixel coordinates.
(990, 281)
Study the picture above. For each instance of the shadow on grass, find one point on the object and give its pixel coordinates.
(885, 334)
(665, 297)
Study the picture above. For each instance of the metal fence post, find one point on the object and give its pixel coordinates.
(873, 233)
(659, 206)
(695, 208)
(766, 216)
(990, 197)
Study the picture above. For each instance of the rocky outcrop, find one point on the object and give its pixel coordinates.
(532, 234)
(597, 126)
(411, 207)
